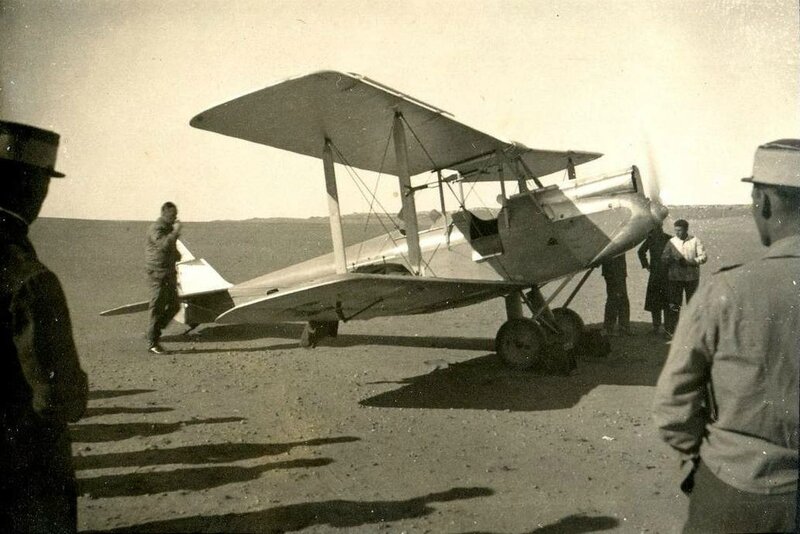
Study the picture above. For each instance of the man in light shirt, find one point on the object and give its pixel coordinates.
(682, 257)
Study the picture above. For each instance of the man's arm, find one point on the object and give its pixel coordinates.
(642, 253)
(43, 339)
(678, 409)
(162, 238)
(700, 252)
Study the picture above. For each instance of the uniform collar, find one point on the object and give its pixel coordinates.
(783, 248)
(13, 221)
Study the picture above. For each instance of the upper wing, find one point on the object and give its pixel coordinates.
(356, 114)
(519, 160)
(364, 296)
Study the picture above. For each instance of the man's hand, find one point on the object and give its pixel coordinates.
(176, 227)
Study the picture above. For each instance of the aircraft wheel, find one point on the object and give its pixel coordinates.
(519, 343)
(571, 326)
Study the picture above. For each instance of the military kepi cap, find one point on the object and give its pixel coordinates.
(777, 163)
(29, 147)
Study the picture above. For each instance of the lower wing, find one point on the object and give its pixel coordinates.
(364, 296)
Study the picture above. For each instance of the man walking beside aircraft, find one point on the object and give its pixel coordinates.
(727, 399)
(43, 386)
(161, 253)
(683, 256)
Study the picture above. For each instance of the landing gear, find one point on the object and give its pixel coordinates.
(543, 342)
(519, 343)
(571, 326)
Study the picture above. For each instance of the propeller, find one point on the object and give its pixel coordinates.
(652, 187)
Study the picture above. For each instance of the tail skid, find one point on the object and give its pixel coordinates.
(195, 277)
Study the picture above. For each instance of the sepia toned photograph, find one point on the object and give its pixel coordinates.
(446, 266)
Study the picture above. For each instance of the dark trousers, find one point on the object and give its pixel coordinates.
(164, 303)
(38, 493)
(675, 291)
(656, 317)
(618, 308)
(717, 507)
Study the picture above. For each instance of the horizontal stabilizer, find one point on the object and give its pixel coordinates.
(364, 296)
(136, 307)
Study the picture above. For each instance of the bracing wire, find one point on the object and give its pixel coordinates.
(357, 178)
(374, 191)
(359, 185)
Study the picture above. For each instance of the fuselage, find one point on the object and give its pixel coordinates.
(537, 236)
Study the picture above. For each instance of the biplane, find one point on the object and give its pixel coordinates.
(540, 234)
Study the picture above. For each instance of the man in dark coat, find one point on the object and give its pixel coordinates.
(618, 310)
(161, 255)
(656, 299)
(43, 386)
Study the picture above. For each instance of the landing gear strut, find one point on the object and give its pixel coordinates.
(542, 342)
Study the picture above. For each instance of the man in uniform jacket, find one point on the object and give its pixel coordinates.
(727, 398)
(161, 255)
(43, 386)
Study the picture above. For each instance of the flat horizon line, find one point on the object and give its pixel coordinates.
(313, 218)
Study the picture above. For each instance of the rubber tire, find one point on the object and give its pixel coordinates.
(571, 325)
(519, 343)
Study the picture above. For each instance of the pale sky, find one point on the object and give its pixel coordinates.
(701, 82)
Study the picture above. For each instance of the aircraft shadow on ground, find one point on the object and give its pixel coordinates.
(572, 524)
(293, 517)
(223, 333)
(99, 432)
(485, 383)
(425, 342)
(192, 479)
(238, 332)
(198, 454)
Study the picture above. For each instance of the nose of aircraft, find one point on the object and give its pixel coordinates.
(658, 211)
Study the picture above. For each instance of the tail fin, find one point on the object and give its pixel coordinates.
(196, 276)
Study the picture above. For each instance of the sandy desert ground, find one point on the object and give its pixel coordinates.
(399, 425)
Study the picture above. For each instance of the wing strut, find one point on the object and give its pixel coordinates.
(406, 193)
(333, 209)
